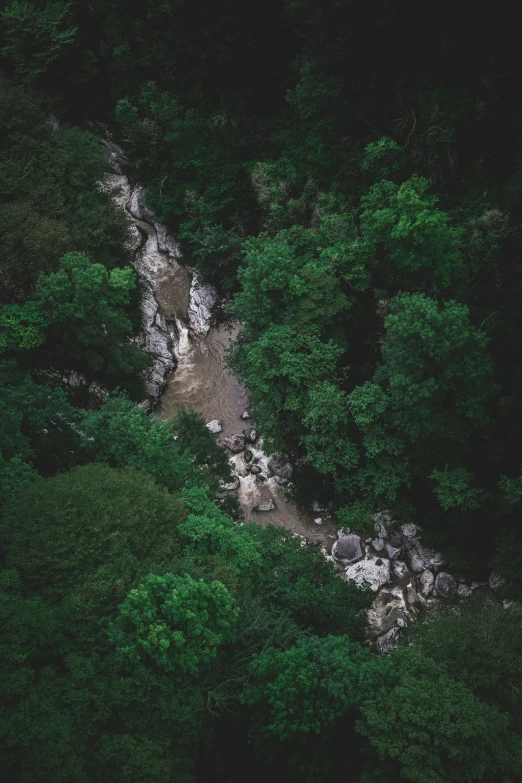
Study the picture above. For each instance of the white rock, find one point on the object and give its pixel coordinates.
(318, 521)
(266, 505)
(373, 573)
(399, 568)
(426, 581)
(245, 415)
(401, 622)
(215, 426)
(232, 486)
(387, 642)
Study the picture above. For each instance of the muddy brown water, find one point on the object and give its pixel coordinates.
(203, 382)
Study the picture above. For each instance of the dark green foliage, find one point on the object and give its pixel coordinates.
(435, 729)
(73, 526)
(350, 182)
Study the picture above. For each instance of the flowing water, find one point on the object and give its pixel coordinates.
(190, 370)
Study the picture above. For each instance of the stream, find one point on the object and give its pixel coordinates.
(190, 369)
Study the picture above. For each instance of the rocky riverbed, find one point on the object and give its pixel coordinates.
(190, 371)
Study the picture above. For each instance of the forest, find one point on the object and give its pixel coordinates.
(347, 177)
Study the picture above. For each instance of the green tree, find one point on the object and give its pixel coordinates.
(435, 369)
(432, 729)
(85, 310)
(175, 622)
(415, 236)
(36, 35)
(95, 524)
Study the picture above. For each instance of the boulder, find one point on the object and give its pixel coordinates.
(215, 426)
(413, 599)
(255, 469)
(248, 455)
(495, 581)
(393, 552)
(409, 530)
(318, 521)
(372, 573)
(245, 415)
(266, 505)
(347, 549)
(426, 582)
(378, 544)
(387, 607)
(399, 569)
(279, 467)
(445, 585)
(464, 591)
(401, 622)
(232, 486)
(250, 434)
(414, 561)
(387, 642)
(235, 443)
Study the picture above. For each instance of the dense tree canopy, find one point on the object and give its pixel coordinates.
(350, 183)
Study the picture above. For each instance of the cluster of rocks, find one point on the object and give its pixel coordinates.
(405, 575)
(249, 460)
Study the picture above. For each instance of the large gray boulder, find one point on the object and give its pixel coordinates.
(446, 585)
(348, 549)
(235, 443)
(414, 561)
(393, 552)
(215, 426)
(371, 573)
(378, 544)
(280, 467)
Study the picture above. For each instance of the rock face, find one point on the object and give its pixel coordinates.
(235, 443)
(267, 505)
(372, 573)
(426, 582)
(215, 426)
(347, 549)
(445, 585)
